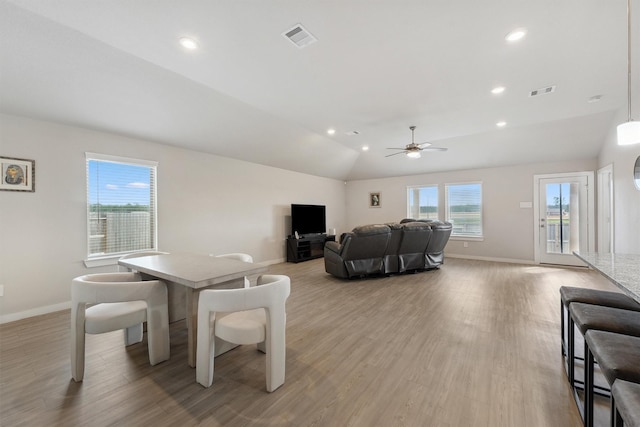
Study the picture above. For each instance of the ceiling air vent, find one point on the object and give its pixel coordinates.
(542, 91)
(299, 36)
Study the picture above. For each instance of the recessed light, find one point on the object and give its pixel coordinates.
(501, 124)
(365, 148)
(516, 35)
(188, 43)
(331, 131)
(498, 90)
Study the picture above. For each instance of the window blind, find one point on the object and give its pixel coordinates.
(464, 208)
(121, 205)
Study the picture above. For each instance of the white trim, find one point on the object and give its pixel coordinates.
(590, 208)
(151, 164)
(119, 159)
(462, 237)
(601, 173)
(513, 261)
(102, 261)
(446, 209)
(484, 258)
(273, 261)
(419, 187)
(6, 318)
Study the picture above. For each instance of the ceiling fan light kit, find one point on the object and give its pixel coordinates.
(413, 150)
(629, 132)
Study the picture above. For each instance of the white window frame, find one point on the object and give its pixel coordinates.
(112, 258)
(412, 188)
(463, 236)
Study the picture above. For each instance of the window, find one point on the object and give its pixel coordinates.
(422, 202)
(121, 205)
(464, 209)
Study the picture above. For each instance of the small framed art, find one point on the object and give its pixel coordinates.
(374, 200)
(17, 174)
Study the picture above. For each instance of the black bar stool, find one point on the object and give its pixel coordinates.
(568, 295)
(618, 357)
(587, 316)
(625, 403)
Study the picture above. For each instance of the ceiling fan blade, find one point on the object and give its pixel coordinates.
(424, 145)
(434, 149)
(394, 154)
(396, 148)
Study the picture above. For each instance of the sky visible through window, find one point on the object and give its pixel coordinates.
(553, 193)
(118, 183)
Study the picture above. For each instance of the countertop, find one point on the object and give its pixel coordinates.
(623, 270)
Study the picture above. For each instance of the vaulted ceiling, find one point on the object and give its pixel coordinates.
(377, 68)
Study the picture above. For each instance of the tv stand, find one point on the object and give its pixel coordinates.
(307, 247)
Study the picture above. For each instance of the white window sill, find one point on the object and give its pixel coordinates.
(102, 261)
(468, 238)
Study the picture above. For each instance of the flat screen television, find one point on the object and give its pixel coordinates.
(308, 219)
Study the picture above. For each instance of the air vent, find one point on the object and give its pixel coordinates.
(299, 36)
(542, 91)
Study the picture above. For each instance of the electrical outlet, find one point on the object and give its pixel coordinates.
(466, 244)
(1, 290)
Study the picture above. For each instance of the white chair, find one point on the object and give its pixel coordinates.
(258, 317)
(240, 257)
(121, 301)
(133, 334)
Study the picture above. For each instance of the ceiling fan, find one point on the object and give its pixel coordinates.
(413, 150)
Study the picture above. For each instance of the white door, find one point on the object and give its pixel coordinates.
(564, 217)
(605, 209)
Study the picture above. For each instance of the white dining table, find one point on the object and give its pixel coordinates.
(186, 274)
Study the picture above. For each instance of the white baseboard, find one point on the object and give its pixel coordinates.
(483, 258)
(34, 312)
(274, 261)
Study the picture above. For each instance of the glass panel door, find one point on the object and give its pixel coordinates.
(563, 219)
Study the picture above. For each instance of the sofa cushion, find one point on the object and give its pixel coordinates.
(415, 238)
(391, 264)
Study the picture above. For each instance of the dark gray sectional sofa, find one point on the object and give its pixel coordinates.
(411, 245)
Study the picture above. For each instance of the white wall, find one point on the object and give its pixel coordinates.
(211, 204)
(626, 196)
(508, 229)
(206, 204)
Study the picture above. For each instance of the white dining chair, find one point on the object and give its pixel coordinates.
(239, 257)
(111, 301)
(133, 334)
(258, 316)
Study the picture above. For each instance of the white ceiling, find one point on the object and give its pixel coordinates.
(377, 68)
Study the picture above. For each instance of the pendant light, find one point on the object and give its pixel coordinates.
(629, 132)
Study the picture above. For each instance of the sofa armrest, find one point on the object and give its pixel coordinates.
(333, 247)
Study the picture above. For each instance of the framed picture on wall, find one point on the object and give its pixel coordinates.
(17, 174)
(374, 200)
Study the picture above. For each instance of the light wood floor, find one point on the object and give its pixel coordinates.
(472, 344)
